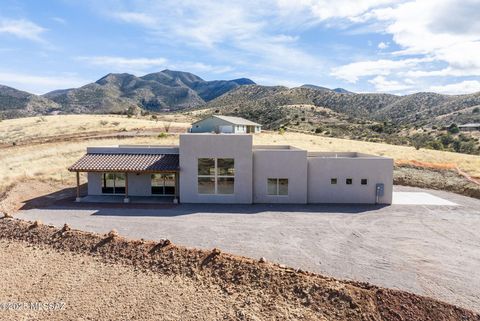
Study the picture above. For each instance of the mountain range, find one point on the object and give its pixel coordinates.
(169, 90)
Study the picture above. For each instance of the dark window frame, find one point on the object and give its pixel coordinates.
(114, 190)
(277, 186)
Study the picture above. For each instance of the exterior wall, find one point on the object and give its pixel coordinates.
(375, 169)
(280, 163)
(208, 125)
(139, 185)
(94, 183)
(194, 146)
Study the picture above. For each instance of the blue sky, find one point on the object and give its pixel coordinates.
(389, 46)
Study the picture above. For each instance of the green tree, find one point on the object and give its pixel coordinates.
(453, 129)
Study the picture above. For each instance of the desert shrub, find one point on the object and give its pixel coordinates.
(476, 110)
(453, 129)
(115, 123)
(378, 128)
(103, 122)
(167, 126)
(318, 130)
(446, 139)
(281, 131)
(130, 111)
(162, 135)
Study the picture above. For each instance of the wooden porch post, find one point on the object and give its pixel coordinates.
(175, 200)
(77, 199)
(126, 199)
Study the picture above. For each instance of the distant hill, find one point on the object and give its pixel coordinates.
(16, 103)
(337, 90)
(415, 109)
(165, 90)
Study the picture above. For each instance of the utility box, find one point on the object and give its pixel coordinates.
(380, 188)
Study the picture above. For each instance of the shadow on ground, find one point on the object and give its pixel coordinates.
(65, 200)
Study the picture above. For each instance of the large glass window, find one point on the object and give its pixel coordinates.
(277, 186)
(206, 166)
(113, 183)
(163, 184)
(216, 175)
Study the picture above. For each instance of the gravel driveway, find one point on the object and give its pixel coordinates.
(432, 250)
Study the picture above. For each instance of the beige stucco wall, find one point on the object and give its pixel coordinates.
(375, 169)
(194, 146)
(281, 163)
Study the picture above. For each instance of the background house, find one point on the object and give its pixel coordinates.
(469, 127)
(225, 124)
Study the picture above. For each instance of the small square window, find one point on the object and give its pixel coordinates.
(333, 181)
(349, 181)
(364, 181)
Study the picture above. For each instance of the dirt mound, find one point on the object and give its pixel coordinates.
(435, 178)
(271, 287)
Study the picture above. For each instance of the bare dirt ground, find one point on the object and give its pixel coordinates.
(138, 280)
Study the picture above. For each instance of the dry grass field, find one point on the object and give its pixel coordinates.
(69, 135)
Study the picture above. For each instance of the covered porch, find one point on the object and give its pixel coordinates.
(140, 177)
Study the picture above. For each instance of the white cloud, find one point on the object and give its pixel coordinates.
(123, 64)
(354, 71)
(324, 9)
(464, 87)
(22, 28)
(390, 86)
(136, 17)
(233, 33)
(40, 84)
(445, 30)
(383, 45)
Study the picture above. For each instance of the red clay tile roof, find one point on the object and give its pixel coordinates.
(126, 163)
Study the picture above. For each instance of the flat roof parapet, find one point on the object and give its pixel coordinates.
(275, 147)
(134, 149)
(342, 155)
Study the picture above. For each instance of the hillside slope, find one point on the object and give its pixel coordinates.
(415, 109)
(16, 103)
(165, 90)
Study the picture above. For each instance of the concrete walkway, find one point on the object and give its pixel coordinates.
(429, 249)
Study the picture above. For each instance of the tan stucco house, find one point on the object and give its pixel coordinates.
(228, 168)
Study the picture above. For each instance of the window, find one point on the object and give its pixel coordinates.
(349, 181)
(163, 184)
(277, 186)
(216, 175)
(364, 181)
(113, 183)
(333, 181)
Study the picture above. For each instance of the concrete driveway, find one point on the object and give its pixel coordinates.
(432, 250)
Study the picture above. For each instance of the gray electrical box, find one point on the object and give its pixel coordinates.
(380, 187)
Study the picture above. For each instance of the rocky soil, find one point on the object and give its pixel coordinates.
(441, 179)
